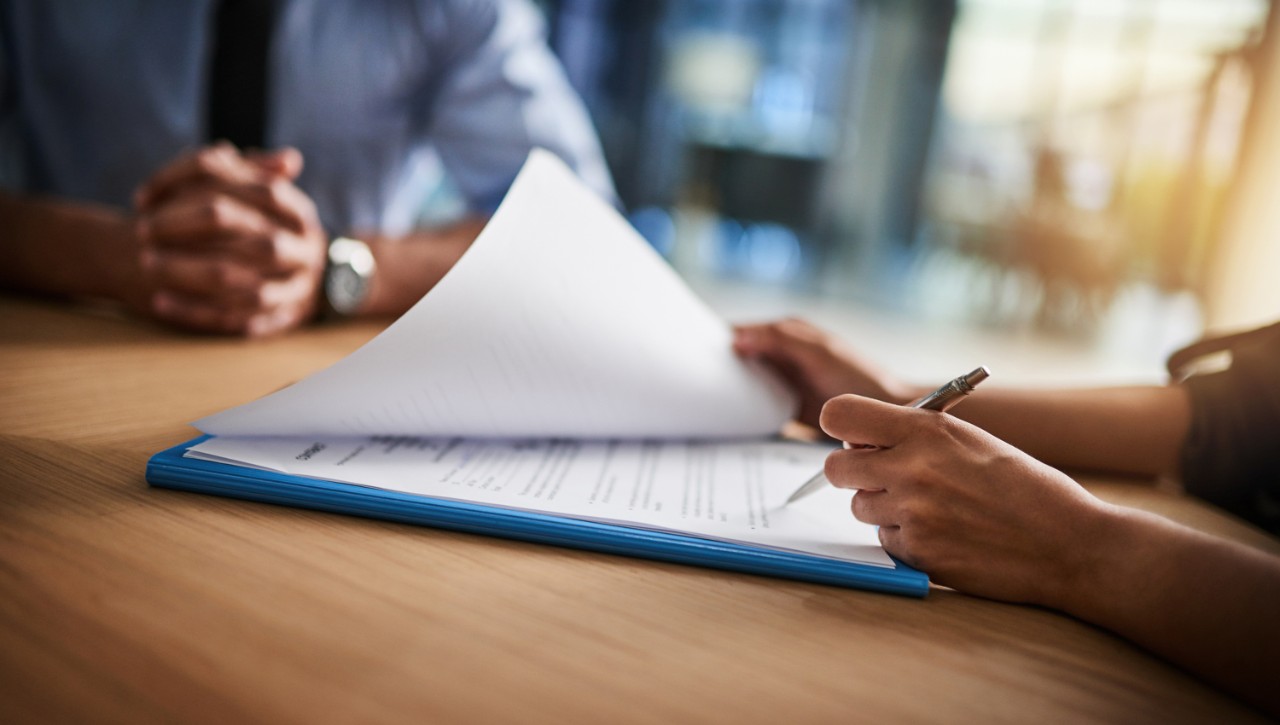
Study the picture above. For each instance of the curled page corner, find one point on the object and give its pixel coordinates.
(559, 321)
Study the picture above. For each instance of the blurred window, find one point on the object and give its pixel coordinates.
(1089, 144)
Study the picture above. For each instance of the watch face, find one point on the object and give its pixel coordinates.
(348, 275)
(345, 289)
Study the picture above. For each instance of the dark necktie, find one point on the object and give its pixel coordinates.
(238, 78)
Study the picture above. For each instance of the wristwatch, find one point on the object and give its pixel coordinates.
(348, 276)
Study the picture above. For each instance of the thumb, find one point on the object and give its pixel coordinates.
(869, 423)
(285, 161)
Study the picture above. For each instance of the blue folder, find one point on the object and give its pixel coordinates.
(170, 469)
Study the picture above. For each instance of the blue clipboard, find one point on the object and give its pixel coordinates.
(171, 469)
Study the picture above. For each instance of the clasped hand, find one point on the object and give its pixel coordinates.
(229, 244)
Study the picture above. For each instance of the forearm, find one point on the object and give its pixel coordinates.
(68, 249)
(1137, 429)
(409, 267)
(1204, 603)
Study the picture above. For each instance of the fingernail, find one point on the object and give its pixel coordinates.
(149, 259)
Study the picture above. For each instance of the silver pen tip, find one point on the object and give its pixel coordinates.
(977, 376)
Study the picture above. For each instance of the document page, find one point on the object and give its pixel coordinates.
(725, 490)
(560, 321)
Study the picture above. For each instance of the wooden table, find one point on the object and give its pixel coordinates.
(123, 603)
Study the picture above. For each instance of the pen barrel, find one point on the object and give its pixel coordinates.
(953, 392)
(940, 400)
(943, 398)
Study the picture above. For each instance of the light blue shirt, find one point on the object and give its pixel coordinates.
(378, 95)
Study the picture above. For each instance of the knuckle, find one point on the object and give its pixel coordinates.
(929, 425)
(908, 514)
(915, 477)
(274, 244)
(927, 552)
(800, 330)
(260, 296)
(945, 425)
(825, 346)
(209, 213)
(206, 160)
(218, 212)
(305, 207)
(257, 326)
(277, 192)
(908, 543)
(920, 517)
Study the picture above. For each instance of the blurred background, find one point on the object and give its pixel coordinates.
(1091, 175)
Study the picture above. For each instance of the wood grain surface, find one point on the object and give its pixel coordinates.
(122, 603)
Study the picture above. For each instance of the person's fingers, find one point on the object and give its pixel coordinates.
(271, 195)
(874, 507)
(217, 277)
(220, 224)
(808, 359)
(218, 162)
(276, 197)
(757, 342)
(790, 341)
(897, 470)
(286, 161)
(282, 198)
(264, 181)
(275, 191)
(847, 468)
(196, 220)
(201, 274)
(207, 315)
(748, 339)
(276, 321)
(862, 421)
(199, 313)
(891, 539)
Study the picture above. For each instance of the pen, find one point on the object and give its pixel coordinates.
(940, 400)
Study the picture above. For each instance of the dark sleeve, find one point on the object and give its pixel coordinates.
(11, 146)
(1232, 454)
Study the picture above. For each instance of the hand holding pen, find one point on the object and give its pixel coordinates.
(941, 400)
(818, 367)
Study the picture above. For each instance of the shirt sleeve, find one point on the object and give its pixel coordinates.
(1232, 454)
(500, 93)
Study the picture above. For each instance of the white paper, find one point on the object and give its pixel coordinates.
(560, 321)
(726, 490)
(561, 367)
